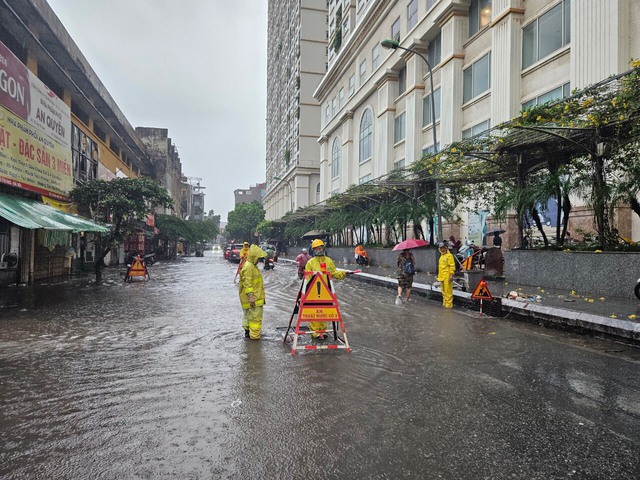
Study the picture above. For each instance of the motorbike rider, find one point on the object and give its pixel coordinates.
(302, 260)
(361, 255)
(320, 262)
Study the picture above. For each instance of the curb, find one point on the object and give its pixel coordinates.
(559, 317)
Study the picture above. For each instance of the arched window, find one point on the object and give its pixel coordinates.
(335, 159)
(366, 134)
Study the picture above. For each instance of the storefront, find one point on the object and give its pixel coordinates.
(42, 238)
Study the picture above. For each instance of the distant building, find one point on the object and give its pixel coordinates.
(254, 193)
(296, 59)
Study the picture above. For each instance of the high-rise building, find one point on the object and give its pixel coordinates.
(296, 62)
(489, 59)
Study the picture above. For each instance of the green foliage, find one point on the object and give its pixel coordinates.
(243, 221)
(192, 231)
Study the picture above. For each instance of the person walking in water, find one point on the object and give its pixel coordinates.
(251, 292)
(316, 265)
(406, 270)
(446, 270)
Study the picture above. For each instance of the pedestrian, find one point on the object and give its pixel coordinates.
(406, 270)
(316, 264)
(251, 292)
(302, 260)
(446, 270)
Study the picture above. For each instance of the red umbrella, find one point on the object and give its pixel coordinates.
(412, 243)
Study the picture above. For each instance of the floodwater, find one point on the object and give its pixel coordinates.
(155, 380)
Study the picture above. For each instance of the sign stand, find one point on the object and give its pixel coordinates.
(482, 293)
(137, 269)
(316, 302)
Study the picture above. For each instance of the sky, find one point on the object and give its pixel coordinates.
(195, 67)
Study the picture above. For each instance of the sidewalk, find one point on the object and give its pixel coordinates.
(613, 316)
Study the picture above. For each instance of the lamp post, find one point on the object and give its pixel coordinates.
(275, 177)
(394, 45)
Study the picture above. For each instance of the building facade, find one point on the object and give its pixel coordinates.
(296, 59)
(255, 193)
(489, 58)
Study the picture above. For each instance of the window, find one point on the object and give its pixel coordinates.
(341, 97)
(345, 27)
(85, 156)
(398, 165)
(476, 129)
(375, 57)
(430, 150)
(333, 107)
(434, 51)
(426, 108)
(402, 81)
(363, 71)
(366, 132)
(364, 179)
(546, 34)
(431, 3)
(476, 78)
(562, 91)
(352, 85)
(399, 125)
(335, 159)
(395, 30)
(412, 14)
(479, 15)
(327, 113)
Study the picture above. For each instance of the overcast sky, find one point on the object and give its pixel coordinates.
(196, 67)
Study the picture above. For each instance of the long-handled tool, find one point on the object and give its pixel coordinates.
(296, 308)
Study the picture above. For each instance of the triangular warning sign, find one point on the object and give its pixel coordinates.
(482, 292)
(318, 290)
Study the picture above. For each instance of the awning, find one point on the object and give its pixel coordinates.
(32, 215)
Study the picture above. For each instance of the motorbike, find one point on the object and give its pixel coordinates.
(268, 263)
(637, 289)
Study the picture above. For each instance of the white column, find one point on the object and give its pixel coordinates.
(383, 123)
(412, 147)
(346, 153)
(454, 34)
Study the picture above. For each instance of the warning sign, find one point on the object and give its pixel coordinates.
(137, 269)
(322, 314)
(318, 291)
(482, 292)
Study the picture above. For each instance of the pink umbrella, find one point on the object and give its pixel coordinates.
(412, 243)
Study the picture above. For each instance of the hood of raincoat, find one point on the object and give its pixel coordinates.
(255, 252)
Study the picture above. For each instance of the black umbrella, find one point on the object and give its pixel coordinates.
(495, 230)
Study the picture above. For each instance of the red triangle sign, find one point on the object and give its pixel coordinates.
(482, 292)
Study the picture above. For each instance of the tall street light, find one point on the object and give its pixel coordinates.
(394, 45)
(275, 177)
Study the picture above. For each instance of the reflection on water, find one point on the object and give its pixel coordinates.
(152, 380)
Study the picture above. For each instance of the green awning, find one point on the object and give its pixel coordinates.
(32, 215)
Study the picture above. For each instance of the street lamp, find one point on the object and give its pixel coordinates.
(394, 45)
(275, 177)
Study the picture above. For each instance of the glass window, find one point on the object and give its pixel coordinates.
(434, 51)
(399, 128)
(402, 81)
(431, 3)
(430, 150)
(335, 159)
(476, 78)
(546, 34)
(395, 30)
(366, 133)
(426, 108)
(363, 71)
(476, 129)
(327, 113)
(398, 165)
(375, 57)
(557, 93)
(334, 104)
(352, 85)
(364, 179)
(479, 15)
(345, 27)
(412, 14)
(341, 98)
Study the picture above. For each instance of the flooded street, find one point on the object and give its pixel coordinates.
(155, 380)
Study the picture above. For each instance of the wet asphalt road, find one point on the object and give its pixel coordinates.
(137, 381)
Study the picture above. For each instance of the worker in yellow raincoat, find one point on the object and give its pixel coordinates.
(315, 265)
(446, 270)
(252, 296)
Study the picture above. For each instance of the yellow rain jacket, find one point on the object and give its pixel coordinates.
(244, 251)
(446, 266)
(313, 265)
(251, 278)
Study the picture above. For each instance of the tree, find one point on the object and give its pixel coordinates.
(243, 221)
(118, 202)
